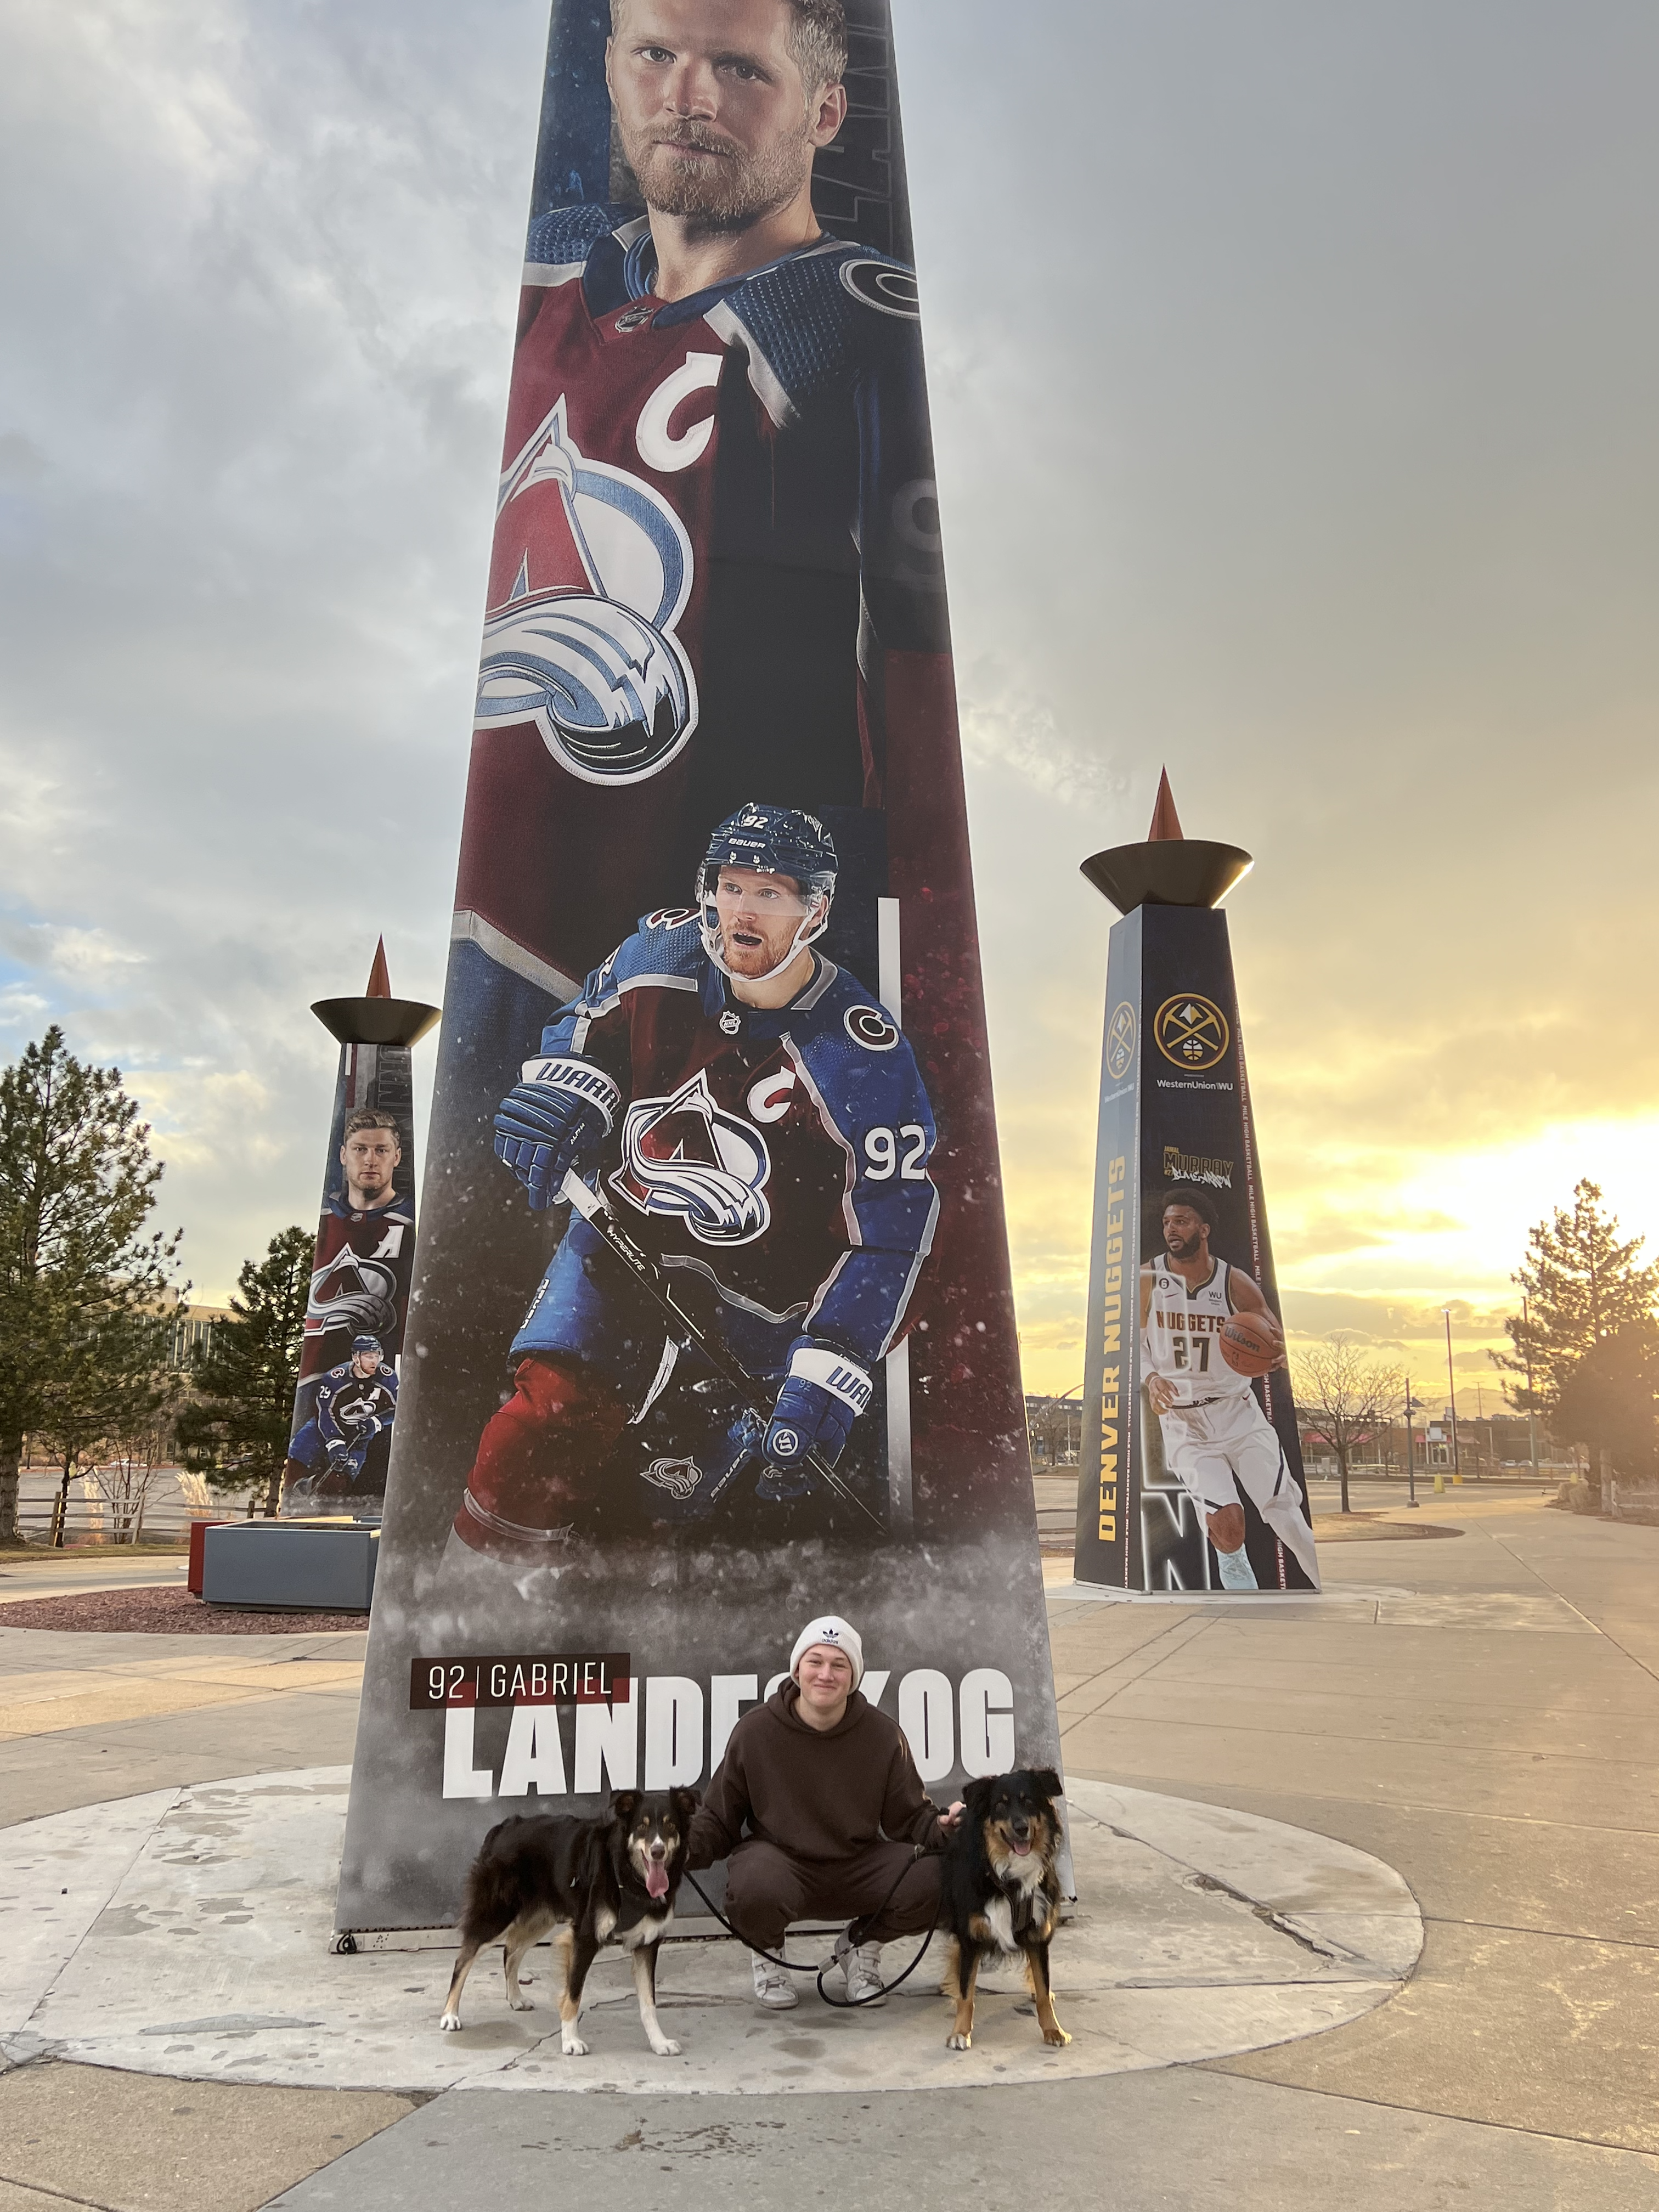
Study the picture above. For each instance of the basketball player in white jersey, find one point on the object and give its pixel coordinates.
(1216, 1440)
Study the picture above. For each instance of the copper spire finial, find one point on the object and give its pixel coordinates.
(1169, 868)
(1166, 822)
(380, 980)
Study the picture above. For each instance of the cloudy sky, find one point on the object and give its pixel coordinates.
(1293, 371)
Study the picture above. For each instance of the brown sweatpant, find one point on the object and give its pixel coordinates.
(766, 1889)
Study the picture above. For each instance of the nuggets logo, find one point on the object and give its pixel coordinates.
(582, 644)
(1192, 1031)
(687, 1158)
(870, 1027)
(1121, 1040)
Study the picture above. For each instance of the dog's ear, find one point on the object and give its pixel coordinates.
(624, 1804)
(685, 1801)
(977, 1796)
(1047, 1784)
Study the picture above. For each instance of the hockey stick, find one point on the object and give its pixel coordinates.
(647, 1274)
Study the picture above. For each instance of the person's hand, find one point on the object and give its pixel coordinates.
(823, 1395)
(951, 1820)
(545, 1124)
(1162, 1393)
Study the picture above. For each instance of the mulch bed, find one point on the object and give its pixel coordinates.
(165, 1612)
(1372, 1529)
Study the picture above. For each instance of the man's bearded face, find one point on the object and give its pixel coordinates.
(711, 108)
(694, 169)
(1184, 1232)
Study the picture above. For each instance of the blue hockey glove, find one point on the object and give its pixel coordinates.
(783, 1486)
(562, 1109)
(339, 1456)
(823, 1395)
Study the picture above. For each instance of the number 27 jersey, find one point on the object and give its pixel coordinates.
(1180, 1338)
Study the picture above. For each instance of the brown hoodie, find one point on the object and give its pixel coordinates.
(820, 1796)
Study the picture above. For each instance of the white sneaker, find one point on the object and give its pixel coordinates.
(865, 1986)
(774, 1988)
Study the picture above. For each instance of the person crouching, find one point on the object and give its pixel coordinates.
(819, 1813)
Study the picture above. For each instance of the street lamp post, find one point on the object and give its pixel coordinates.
(1411, 1456)
(1451, 1393)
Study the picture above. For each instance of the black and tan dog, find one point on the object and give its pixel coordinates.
(1000, 1894)
(612, 1880)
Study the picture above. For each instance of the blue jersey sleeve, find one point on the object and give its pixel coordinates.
(871, 1095)
(661, 955)
(901, 547)
(563, 238)
(327, 1427)
(840, 325)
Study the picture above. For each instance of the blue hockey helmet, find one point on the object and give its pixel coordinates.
(366, 1344)
(774, 840)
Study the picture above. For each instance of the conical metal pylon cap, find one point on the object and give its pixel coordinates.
(1168, 869)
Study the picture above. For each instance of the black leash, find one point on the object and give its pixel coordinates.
(842, 2004)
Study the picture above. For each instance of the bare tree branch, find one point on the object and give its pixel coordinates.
(1348, 1393)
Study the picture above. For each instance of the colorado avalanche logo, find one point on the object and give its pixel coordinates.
(687, 1157)
(599, 670)
(678, 1477)
(355, 1293)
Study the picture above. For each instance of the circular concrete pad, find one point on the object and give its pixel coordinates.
(187, 1932)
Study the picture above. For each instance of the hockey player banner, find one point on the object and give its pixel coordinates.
(1191, 1475)
(347, 1399)
(712, 1326)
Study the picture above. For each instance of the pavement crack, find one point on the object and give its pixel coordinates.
(1561, 1598)
(1333, 1954)
(1555, 1935)
(79, 2204)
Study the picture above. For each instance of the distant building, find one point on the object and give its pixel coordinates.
(192, 1333)
(1055, 1426)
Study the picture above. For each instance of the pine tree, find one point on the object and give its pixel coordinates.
(77, 1187)
(1610, 1400)
(113, 1383)
(1584, 1286)
(235, 1428)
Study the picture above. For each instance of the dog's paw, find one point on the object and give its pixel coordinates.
(1056, 2035)
(665, 2047)
(521, 2004)
(958, 2043)
(574, 2047)
(451, 2023)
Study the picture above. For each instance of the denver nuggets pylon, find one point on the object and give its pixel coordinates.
(1191, 1473)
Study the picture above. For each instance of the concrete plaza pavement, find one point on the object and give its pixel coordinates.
(1481, 1712)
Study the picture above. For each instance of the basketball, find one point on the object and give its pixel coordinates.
(1250, 1344)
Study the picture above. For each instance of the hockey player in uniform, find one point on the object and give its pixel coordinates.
(717, 518)
(762, 1120)
(365, 1246)
(355, 1403)
(1216, 1440)
(370, 1156)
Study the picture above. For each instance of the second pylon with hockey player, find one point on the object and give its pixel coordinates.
(758, 1117)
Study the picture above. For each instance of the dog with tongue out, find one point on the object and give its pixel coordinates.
(587, 1883)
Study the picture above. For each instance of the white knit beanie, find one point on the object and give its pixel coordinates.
(840, 1635)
